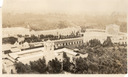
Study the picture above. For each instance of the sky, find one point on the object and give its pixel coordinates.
(64, 6)
(1, 3)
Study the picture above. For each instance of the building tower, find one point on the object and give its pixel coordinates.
(49, 50)
(49, 46)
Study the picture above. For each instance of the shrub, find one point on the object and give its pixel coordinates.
(107, 42)
(94, 42)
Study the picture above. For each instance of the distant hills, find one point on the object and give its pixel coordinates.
(56, 20)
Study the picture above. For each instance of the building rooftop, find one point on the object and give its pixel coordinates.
(70, 39)
(96, 34)
(68, 51)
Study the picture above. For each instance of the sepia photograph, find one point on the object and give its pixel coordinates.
(64, 37)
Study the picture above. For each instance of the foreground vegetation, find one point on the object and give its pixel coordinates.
(106, 58)
(39, 67)
(100, 61)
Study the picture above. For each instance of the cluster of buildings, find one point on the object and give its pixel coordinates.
(48, 52)
(55, 48)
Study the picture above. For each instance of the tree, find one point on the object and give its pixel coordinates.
(20, 67)
(107, 42)
(10, 40)
(72, 35)
(39, 65)
(35, 38)
(94, 42)
(66, 62)
(81, 65)
(54, 66)
(41, 36)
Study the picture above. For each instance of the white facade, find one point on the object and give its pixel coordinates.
(111, 31)
(49, 46)
(8, 67)
(64, 31)
(14, 31)
(95, 35)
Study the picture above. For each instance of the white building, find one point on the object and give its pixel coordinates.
(64, 31)
(14, 31)
(111, 31)
(95, 35)
(8, 66)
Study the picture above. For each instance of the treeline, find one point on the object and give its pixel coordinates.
(96, 42)
(94, 65)
(39, 38)
(100, 60)
(9, 40)
(53, 37)
(39, 67)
